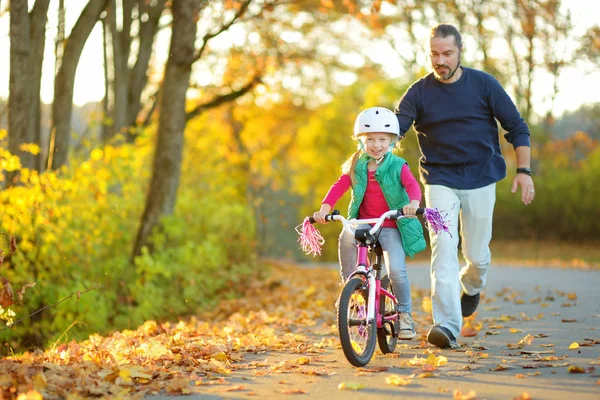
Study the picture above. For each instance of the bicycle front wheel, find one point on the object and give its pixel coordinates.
(357, 333)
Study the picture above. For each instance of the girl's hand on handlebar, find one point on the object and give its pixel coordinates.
(320, 215)
(411, 208)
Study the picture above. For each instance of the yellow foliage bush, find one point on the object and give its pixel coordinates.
(75, 230)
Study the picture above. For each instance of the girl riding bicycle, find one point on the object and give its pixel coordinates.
(380, 181)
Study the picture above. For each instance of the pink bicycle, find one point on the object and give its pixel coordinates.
(367, 311)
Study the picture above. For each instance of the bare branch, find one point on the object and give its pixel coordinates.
(223, 28)
(217, 101)
(78, 294)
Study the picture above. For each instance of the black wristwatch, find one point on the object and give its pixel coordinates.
(526, 171)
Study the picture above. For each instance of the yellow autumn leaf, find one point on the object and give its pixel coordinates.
(219, 367)
(303, 360)
(436, 361)
(458, 395)
(415, 361)
(124, 377)
(397, 380)
(573, 346)
(351, 386)
(426, 304)
(221, 356)
(30, 395)
(309, 291)
(153, 350)
(136, 373)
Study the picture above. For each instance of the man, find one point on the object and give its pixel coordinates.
(454, 110)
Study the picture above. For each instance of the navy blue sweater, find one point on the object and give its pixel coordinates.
(457, 129)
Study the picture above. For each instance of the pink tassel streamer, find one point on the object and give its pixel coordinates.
(310, 238)
(435, 220)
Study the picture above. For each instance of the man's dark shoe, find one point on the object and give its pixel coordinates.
(441, 337)
(469, 304)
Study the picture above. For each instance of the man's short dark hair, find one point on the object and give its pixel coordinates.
(445, 30)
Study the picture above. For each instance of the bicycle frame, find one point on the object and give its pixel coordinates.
(371, 273)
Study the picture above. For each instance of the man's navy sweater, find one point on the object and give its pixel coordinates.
(457, 129)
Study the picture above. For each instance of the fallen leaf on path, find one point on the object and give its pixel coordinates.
(521, 343)
(575, 369)
(294, 391)
(470, 330)
(573, 346)
(568, 320)
(351, 386)
(523, 396)
(397, 380)
(502, 367)
(458, 395)
(372, 369)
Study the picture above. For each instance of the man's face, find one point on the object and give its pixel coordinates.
(445, 57)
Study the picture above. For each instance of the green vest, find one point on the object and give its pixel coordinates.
(388, 177)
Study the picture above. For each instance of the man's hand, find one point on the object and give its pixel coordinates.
(527, 188)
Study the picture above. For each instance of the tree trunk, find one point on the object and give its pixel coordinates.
(106, 101)
(37, 37)
(161, 196)
(121, 43)
(62, 108)
(19, 88)
(138, 75)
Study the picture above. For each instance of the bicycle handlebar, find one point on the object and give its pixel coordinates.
(392, 214)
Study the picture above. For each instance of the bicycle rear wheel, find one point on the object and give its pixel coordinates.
(387, 335)
(357, 333)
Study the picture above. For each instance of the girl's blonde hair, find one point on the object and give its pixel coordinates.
(349, 165)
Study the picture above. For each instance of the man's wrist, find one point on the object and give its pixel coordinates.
(524, 170)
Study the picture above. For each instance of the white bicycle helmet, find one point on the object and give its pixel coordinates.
(376, 119)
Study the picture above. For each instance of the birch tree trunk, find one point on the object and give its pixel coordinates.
(62, 108)
(160, 200)
(19, 86)
(138, 77)
(37, 37)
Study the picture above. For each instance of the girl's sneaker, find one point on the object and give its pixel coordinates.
(407, 326)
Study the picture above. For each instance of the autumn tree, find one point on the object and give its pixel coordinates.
(589, 49)
(62, 107)
(130, 33)
(27, 39)
(19, 89)
(169, 146)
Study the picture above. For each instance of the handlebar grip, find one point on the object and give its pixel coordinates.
(328, 217)
(420, 211)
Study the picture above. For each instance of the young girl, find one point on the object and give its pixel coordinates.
(380, 181)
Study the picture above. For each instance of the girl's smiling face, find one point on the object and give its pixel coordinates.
(376, 143)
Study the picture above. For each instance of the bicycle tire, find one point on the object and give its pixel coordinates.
(387, 337)
(357, 335)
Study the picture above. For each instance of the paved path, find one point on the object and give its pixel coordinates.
(556, 306)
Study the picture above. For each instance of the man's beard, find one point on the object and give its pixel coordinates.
(449, 74)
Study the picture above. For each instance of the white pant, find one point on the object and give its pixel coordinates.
(475, 208)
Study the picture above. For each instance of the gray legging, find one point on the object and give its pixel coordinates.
(394, 260)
